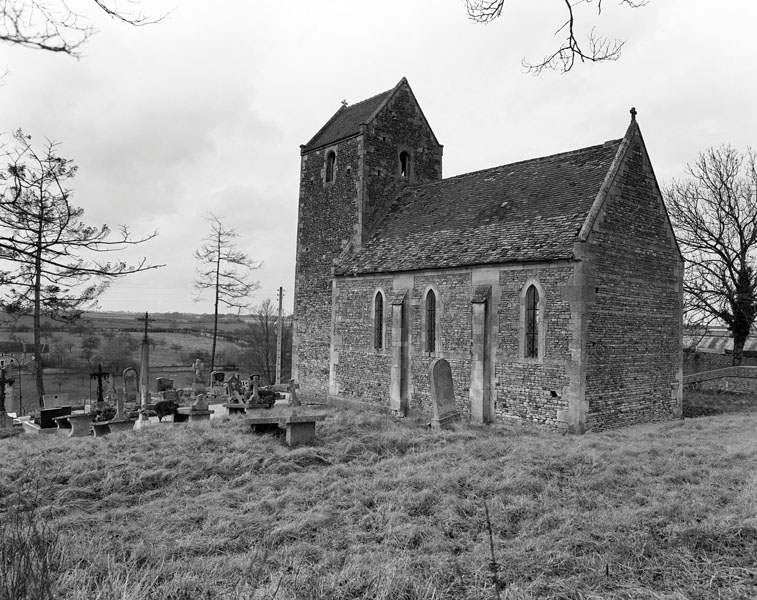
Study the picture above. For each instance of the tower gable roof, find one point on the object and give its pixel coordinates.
(521, 212)
(346, 121)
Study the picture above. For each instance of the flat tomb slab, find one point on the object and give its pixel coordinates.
(75, 425)
(184, 414)
(299, 428)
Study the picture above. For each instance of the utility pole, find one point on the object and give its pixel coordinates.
(279, 330)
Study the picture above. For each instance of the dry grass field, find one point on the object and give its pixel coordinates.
(385, 508)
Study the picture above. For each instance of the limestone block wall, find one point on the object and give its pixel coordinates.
(453, 290)
(398, 127)
(359, 370)
(534, 389)
(328, 219)
(634, 333)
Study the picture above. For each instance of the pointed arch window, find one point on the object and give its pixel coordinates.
(532, 323)
(330, 164)
(378, 321)
(431, 321)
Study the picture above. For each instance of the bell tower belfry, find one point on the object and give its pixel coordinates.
(350, 171)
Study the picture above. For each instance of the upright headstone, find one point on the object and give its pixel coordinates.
(12, 403)
(55, 400)
(164, 384)
(255, 395)
(293, 399)
(234, 389)
(120, 412)
(198, 385)
(131, 385)
(200, 404)
(442, 394)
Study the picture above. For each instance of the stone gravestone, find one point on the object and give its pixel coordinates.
(234, 389)
(12, 402)
(293, 399)
(442, 394)
(164, 384)
(55, 400)
(198, 385)
(255, 395)
(200, 404)
(131, 388)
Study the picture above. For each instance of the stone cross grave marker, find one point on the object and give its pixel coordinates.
(442, 394)
(100, 375)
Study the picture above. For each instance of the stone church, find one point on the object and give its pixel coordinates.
(552, 286)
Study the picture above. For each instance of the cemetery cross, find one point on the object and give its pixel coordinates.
(99, 375)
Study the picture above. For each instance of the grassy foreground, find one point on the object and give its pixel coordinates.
(384, 508)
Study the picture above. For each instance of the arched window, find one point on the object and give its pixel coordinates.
(405, 164)
(430, 321)
(330, 162)
(378, 321)
(532, 323)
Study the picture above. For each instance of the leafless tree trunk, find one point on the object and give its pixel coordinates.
(46, 250)
(714, 212)
(225, 270)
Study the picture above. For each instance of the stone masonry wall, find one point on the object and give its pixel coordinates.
(527, 388)
(327, 219)
(360, 371)
(634, 321)
(454, 291)
(399, 126)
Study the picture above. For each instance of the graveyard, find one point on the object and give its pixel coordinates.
(379, 507)
(214, 485)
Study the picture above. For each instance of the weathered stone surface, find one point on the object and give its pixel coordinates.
(587, 228)
(55, 400)
(442, 394)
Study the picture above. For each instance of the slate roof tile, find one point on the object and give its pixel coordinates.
(521, 212)
(346, 122)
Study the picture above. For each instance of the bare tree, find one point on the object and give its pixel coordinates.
(52, 25)
(49, 258)
(597, 48)
(225, 270)
(714, 212)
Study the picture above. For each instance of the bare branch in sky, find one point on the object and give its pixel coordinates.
(53, 26)
(597, 49)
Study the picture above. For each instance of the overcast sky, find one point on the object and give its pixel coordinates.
(207, 110)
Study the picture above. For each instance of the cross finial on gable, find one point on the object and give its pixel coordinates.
(344, 103)
(633, 113)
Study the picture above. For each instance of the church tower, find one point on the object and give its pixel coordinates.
(350, 172)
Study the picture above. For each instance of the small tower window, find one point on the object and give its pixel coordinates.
(430, 321)
(330, 163)
(378, 322)
(405, 164)
(532, 323)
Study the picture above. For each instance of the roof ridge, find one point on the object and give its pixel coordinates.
(374, 97)
(518, 163)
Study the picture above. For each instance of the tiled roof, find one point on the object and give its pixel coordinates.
(522, 212)
(346, 122)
